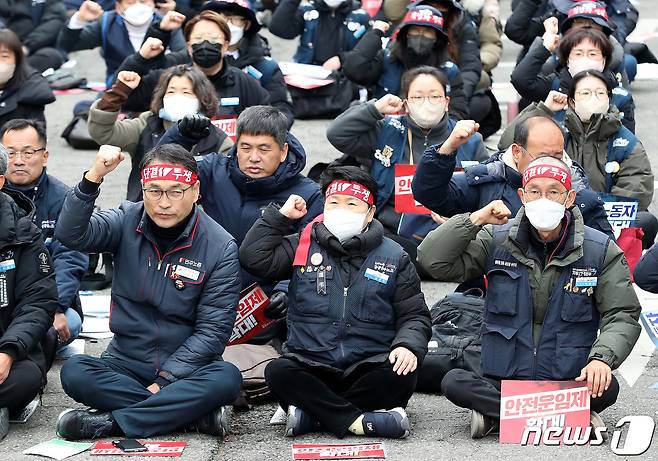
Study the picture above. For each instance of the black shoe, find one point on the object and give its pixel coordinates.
(214, 423)
(299, 422)
(481, 425)
(4, 422)
(392, 424)
(86, 424)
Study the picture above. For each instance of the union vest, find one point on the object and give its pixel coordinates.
(347, 324)
(570, 325)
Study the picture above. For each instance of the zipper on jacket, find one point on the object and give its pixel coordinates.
(342, 349)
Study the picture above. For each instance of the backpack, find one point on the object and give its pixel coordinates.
(456, 340)
(251, 360)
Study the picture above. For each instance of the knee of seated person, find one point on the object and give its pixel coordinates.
(228, 383)
(451, 382)
(277, 371)
(70, 375)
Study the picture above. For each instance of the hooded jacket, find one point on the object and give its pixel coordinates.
(236, 201)
(28, 294)
(436, 186)
(458, 250)
(36, 23)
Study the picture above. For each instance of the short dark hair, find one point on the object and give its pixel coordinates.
(211, 16)
(409, 76)
(263, 120)
(174, 154)
(203, 89)
(575, 36)
(588, 73)
(348, 173)
(9, 39)
(522, 129)
(22, 124)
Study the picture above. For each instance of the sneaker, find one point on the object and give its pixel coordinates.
(596, 421)
(4, 422)
(299, 422)
(86, 424)
(392, 424)
(481, 425)
(214, 423)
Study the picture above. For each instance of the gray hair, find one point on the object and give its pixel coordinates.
(263, 120)
(4, 159)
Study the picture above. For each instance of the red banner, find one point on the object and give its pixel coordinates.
(535, 406)
(154, 449)
(338, 451)
(251, 318)
(227, 124)
(404, 197)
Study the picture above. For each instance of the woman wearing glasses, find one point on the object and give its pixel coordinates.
(396, 131)
(182, 91)
(614, 160)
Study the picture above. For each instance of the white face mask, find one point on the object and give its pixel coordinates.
(237, 33)
(426, 115)
(177, 106)
(579, 65)
(587, 107)
(544, 214)
(6, 72)
(344, 224)
(333, 3)
(138, 14)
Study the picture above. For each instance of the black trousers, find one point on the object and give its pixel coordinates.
(45, 58)
(24, 382)
(334, 399)
(467, 389)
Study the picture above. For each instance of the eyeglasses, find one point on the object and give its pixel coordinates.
(552, 195)
(596, 55)
(586, 93)
(173, 194)
(434, 99)
(26, 154)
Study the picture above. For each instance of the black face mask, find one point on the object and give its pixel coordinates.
(420, 45)
(206, 54)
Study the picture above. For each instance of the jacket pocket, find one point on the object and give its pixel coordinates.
(571, 353)
(576, 307)
(502, 295)
(307, 300)
(370, 309)
(498, 350)
(312, 337)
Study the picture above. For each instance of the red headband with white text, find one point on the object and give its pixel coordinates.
(350, 188)
(165, 172)
(543, 170)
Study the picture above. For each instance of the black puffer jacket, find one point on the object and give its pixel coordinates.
(29, 303)
(269, 248)
(26, 101)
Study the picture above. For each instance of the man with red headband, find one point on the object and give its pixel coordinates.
(358, 325)
(553, 283)
(174, 293)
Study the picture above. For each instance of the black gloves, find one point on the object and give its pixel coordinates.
(194, 126)
(278, 307)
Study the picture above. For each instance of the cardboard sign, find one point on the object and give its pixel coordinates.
(154, 449)
(542, 404)
(404, 197)
(338, 451)
(621, 211)
(227, 124)
(251, 318)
